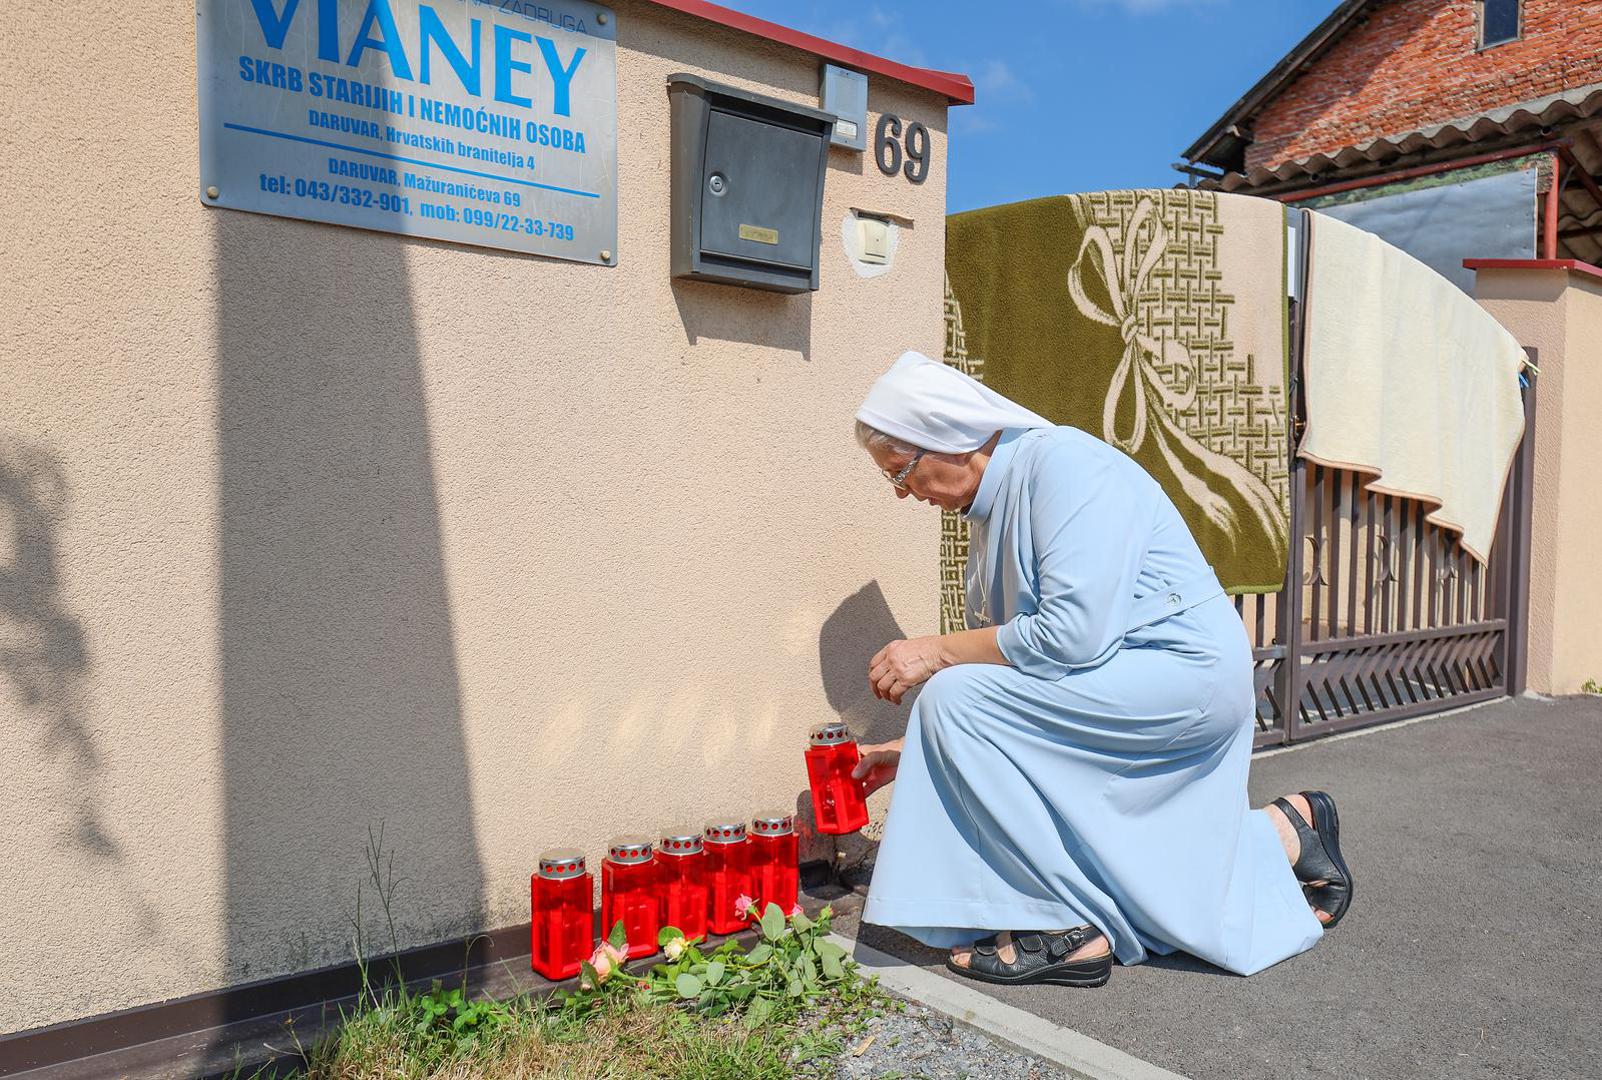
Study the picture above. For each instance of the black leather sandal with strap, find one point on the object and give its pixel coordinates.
(1040, 957)
(1320, 858)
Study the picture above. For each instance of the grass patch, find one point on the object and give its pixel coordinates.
(396, 1035)
(785, 1008)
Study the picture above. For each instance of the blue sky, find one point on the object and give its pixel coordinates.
(1073, 95)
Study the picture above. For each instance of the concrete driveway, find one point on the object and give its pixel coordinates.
(1472, 948)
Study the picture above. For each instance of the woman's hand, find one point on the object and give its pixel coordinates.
(878, 765)
(901, 665)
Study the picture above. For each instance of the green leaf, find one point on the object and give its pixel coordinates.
(831, 966)
(800, 921)
(667, 934)
(772, 922)
(619, 937)
(828, 948)
(795, 988)
(688, 985)
(760, 1009)
(714, 972)
(587, 971)
(759, 954)
(809, 970)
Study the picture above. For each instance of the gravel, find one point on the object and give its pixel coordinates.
(918, 1042)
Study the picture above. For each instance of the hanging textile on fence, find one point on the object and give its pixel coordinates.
(1409, 380)
(1154, 320)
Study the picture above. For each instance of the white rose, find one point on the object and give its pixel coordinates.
(674, 948)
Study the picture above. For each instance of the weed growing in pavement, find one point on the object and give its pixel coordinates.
(1591, 687)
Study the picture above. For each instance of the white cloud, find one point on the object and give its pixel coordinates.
(880, 32)
(995, 84)
(994, 80)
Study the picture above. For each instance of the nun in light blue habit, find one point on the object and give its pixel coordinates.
(1072, 784)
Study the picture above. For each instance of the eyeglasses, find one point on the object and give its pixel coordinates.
(899, 480)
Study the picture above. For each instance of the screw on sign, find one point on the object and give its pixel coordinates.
(728, 855)
(775, 859)
(839, 802)
(682, 881)
(629, 893)
(562, 934)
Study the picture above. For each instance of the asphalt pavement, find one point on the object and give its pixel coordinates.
(1472, 947)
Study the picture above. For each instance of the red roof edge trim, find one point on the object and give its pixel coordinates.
(958, 89)
(1573, 266)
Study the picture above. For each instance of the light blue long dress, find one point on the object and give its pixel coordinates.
(1101, 777)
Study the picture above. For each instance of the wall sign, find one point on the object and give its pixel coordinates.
(489, 122)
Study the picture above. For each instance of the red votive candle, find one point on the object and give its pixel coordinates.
(681, 881)
(775, 860)
(629, 894)
(728, 862)
(563, 934)
(839, 803)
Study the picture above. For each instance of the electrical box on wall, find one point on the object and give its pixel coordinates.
(845, 94)
(747, 186)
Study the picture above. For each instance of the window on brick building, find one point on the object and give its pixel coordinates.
(1499, 22)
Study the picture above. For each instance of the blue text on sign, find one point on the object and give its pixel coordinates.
(508, 48)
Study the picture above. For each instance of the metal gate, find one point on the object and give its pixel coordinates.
(1385, 616)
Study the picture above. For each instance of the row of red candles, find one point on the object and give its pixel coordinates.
(690, 880)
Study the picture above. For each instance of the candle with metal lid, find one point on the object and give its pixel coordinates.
(839, 802)
(728, 856)
(629, 893)
(681, 878)
(775, 874)
(563, 931)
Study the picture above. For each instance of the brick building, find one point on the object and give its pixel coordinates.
(1396, 97)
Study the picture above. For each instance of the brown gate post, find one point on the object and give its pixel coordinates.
(1516, 602)
(1288, 613)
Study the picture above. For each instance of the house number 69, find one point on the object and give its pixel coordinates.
(888, 151)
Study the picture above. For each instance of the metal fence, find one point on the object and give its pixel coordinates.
(1383, 615)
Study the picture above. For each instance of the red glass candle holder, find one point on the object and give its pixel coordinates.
(839, 803)
(775, 860)
(681, 880)
(563, 933)
(629, 894)
(728, 877)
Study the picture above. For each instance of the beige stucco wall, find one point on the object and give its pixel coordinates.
(1560, 313)
(304, 529)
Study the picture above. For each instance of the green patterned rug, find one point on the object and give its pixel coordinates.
(1155, 320)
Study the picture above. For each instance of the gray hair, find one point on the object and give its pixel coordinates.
(871, 438)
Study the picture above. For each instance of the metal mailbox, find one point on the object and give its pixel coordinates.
(747, 186)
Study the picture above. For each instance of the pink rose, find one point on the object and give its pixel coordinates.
(605, 958)
(742, 906)
(793, 912)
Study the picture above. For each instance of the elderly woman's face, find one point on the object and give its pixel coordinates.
(948, 481)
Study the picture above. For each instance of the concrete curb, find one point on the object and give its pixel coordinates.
(1080, 1055)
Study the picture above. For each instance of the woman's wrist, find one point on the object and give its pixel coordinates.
(969, 647)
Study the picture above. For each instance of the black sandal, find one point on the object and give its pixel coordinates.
(1320, 858)
(1040, 959)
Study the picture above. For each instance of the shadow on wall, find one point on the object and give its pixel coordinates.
(858, 628)
(772, 320)
(340, 692)
(45, 657)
